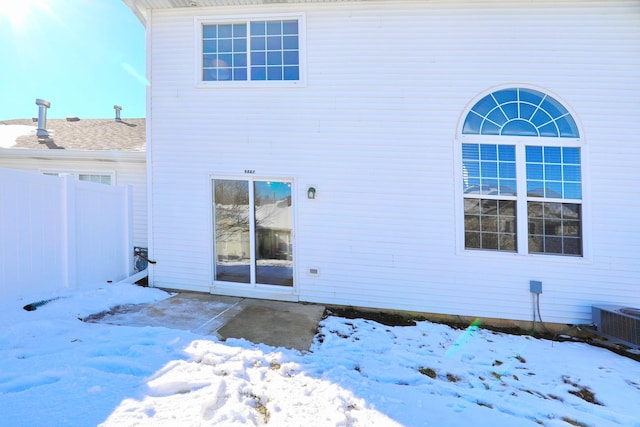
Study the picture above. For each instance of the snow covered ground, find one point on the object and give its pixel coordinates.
(59, 371)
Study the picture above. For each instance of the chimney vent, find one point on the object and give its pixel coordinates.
(118, 109)
(42, 118)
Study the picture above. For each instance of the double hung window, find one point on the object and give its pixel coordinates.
(251, 50)
(522, 175)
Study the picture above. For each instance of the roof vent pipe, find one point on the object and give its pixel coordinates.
(42, 117)
(118, 109)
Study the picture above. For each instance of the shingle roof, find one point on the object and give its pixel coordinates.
(77, 134)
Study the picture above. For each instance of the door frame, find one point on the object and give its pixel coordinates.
(254, 289)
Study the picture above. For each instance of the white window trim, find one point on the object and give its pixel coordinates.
(206, 20)
(521, 201)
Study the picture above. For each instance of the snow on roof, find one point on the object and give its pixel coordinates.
(9, 133)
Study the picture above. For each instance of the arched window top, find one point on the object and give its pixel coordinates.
(520, 112)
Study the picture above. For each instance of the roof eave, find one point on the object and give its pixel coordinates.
(137, 10)
(98, 155)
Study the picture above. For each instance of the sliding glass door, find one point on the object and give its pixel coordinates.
(253, 231)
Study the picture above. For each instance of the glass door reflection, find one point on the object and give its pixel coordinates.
(273, 233)
(232, 230)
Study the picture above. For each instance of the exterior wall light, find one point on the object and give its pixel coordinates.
(311, 193)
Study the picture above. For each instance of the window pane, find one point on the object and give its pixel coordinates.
(552, 155)
(489, 128)
(527, 111)
(290, 27)
(240, 74)
(490, 224)
(555, 228)
(571, 173)
(239, 30)
(472, 123)
(505, 95)
(534, 154)
(274, 43)
(258, 73)
(225, 31)
(534, 171)
(471, 151)
(497, 116)
(100, 179)
(258, 28)
(292, 73)
(472, 222)
(290, 58)
(489, 169)
(507, 170)
(239, 60)
(511, 110)
(568, 127)
(572, 191)
(535, 188)
(240, 45)
(209, 31)
(488, 152)
(274, 58)
(209, 46)
(231, 224)
(274, 73)
(258, 58)
(571, 155)
(508, 187)
(290, 42)
(274, 27)
(553, 172)
(485, 106)
(540, 118)
(225, 45)
(472, 240)
(274, 224)
(507, 153)
(258, 43)
(472, 206)
(553, 190)
(549, 130)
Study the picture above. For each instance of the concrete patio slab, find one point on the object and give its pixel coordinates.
(275, 323)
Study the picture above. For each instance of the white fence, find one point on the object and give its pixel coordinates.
(60, 233)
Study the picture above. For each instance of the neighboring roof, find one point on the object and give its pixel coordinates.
(75, 134)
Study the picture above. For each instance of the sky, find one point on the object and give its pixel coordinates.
(83, 56)
(60, 371)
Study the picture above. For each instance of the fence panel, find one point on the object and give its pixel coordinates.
(58, 233)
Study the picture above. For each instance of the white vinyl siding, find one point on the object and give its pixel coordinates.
(387, 84)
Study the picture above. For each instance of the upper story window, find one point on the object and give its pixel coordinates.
(522, 175)
(251, 50)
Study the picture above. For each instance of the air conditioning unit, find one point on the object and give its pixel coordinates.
(622, 323)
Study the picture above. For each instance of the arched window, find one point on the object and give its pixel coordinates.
(521, 175)
(520, 112)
